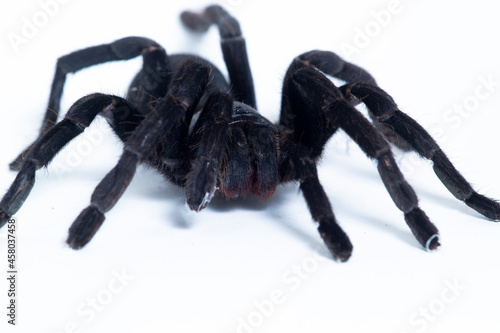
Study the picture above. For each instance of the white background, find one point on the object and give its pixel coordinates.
(252, 266)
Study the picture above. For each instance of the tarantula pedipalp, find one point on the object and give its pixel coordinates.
(182, 117)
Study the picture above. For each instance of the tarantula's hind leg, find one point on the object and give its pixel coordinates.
(233, 48)
(398, 127)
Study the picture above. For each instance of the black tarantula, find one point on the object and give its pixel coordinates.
(184, 119)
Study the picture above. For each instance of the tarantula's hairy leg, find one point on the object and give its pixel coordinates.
(183, 96)
(309, 128)
(300, 166)
(79, 116)
(233, 48)
(396, 126)
(400, 127)
(304, 125)
(122, 49)
(211, 134)
(320, 95)
(331, 64)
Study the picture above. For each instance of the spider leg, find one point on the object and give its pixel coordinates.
(233, 48)
(183, 96)
(314, 93)
(300, 166)
(331, 64)
(123, 49)
(398, 127)
(79, 116)
(303, 125)
(210, 135)
(304, 134)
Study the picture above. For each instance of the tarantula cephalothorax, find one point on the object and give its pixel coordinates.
(183, 118)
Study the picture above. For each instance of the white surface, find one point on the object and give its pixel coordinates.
(260, 264)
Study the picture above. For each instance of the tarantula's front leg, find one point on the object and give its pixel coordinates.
(79, 116)
(405, 132)
(233, 48)
(163, 120)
